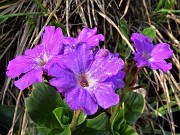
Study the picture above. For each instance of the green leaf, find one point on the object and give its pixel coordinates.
(119, 125)
(58, 131)
(169, 4)
(168, 11)
(34, 129)
(65, 105)
(133, 106)
(41, 6)
(151, 131)
(41, 131)
(163, 109)
(117, 121)
(124, 50)
(42, 101)
(101, 121)
(123, 26)
(151, 32)
(89, 131)
(127, 53)
(96, 126)
(66, 131)
(116, 133)
(67, 108)
(69, 113)
(82, 118)
(160, 3)
(128, 130)
(62, 116)
(6, 117)
(19, 14)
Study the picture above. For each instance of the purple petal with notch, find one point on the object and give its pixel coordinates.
(81, 98)
(29, 78)
(21, 64)
(105, 95)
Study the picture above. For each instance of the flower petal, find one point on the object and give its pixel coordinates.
(141, 62)
(162, 65)
(105, 95)
(70, 41)
(90, 106)
(78, 60)
(21, 64)
(29, 78)
(55, 59)
(40, 55)
(65, 80)
(94, 41)
(80, 98)
(86, 33)
(105, 65)
(52, 40)
(142, 43)
(90, 37)
(117, 80)
(161, 51)
(36, 52)
(63, 84)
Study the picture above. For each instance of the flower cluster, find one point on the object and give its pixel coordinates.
(88, 77)
(149, 55)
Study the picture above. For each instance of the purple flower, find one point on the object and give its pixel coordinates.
(88, 79)
(36, 60)
(149, 55)
(87, 36)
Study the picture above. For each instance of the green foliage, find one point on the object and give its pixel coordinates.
(6, 117)
(133, 106)
(42, 130)
(2, 17)
(82, 118)
(42, 101)
(162, 9)
(119, 125)
(58, 131)
(168, 11)
(128, 130)
(62, 116)
(41, 6)
(124, 50)
(96, 126)
(166, 4)
(150, 131)
(51, 114)
(151, 32)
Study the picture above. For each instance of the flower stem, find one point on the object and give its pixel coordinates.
(75, 120)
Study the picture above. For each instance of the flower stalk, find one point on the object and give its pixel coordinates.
(75, 119)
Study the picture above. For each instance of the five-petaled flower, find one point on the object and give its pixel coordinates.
(36, 60)
(88, 79)
(149, 55)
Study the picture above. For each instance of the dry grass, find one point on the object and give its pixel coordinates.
(21, 26)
